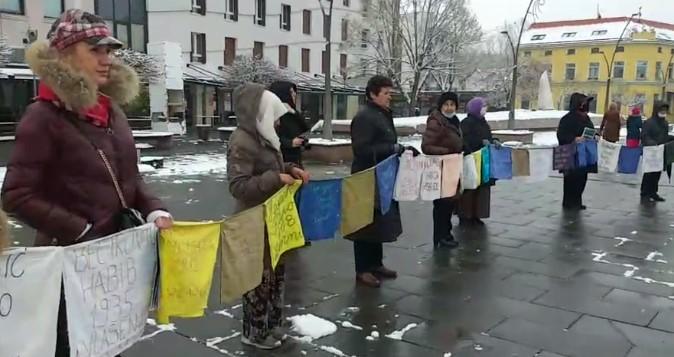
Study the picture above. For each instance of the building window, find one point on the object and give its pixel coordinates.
(571, 51)
(642, 70)
(364, 38)
(569, 35)
(659, 49)
(619, 70)
(599, 32)
(285, 17)
(620, 49)
(198, 53)
(658, 71)
(548, 53)
(537, 37)
(127, 19)
(363, 66)
(672, 51)
(306, 65)
(326, 28)
(526, 103)
(346, 3)
(670, 69)
(258, 50)
(324, 63)
(343, 62)
(52, 8)
(232, 10)
(260, 12)
(12, 6)
(593, 72)
(283, 56)
(527, 53)
(595, 50)
(306, 22)
(345, 30)
(570, 72)
(230, 50)
(199, 6)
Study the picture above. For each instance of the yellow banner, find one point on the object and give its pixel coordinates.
(241, 253)
(478, 164)
(358, 191)
(283, 223)
(187, 254)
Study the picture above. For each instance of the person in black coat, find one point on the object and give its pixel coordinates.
(475, 204)
(292, 126)
(373, 140)
(570, 130)
(655, 132)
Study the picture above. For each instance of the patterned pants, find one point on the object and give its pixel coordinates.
(263, 306)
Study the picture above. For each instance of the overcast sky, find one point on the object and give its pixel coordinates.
(493, 13)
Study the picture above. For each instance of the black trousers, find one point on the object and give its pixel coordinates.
(650, 183)
(574, 186)
(368, 256)
(442, 218)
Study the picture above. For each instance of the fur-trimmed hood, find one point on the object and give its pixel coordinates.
(71, 86)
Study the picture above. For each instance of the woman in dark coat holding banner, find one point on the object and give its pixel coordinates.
(475, 204)
(373, 140)
(570, 130)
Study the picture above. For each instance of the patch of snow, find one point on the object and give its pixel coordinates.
(304, 353)
(478, 347)
(374, 335)
(333, 351)
(6, 138)
(326, 142)
(398, 335)
(448, 354)
(193, 165)
(347, 324)
(143, 146)
(236, 307)
(546, 138)
(227, 128)
(330, 297)
(185, 181)
(145, 168)
(651, 256)
(312, 326)
(353, 309)
(622, 241)
(160, 329)
(512, 132)
(599, 257)
(224, 312)
(382, 306)
(653, 281)
(12, 223)
(151, 134)
(634, 233)
(630, 273)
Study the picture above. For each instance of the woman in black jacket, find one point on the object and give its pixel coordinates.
(292, 125)
(570, 130)
(656, 132)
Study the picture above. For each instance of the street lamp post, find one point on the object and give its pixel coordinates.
(610, 66)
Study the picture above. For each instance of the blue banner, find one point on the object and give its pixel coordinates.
(320, 207)
(386, 172)
(628, 162)
(501, 162)
(586, 153)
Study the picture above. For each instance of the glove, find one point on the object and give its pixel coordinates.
(398, 149)
(497, 143)
(414, 150)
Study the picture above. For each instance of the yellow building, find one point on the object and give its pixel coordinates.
(578, 54)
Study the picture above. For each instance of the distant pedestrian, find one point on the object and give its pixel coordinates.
(256, 171)
(292, 127)
(74, 144)
(634, 125)
(570, 130)
(373, 140)
(610, 125)
(475, 204)
(656, 132)
(443, 137)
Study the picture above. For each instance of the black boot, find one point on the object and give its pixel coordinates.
(448, 242)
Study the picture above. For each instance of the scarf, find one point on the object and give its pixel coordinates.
(98, 115)
(271, 109)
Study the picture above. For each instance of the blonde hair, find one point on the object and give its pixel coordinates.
(4, 231)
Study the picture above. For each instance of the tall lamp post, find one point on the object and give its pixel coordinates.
(610, 65)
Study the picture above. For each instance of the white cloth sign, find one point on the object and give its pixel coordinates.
(30, 290)
(609, 154)
(108, 287)
(540, 165)
(654, 158)
(469, 179)
(409, 178)
(431, 178)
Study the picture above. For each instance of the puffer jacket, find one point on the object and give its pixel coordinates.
(442, 136)
(56, 182)
(656, 129)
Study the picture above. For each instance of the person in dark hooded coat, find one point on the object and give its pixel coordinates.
(292, 125)
(570, 130)
(656, 132)
(443, 137)
(475, 204)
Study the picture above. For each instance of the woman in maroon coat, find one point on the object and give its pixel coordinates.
(56, 180)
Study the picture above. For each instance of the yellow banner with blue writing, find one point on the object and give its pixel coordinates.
(284, 229)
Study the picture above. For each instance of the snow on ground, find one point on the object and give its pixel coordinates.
(193, 165)
(326, 142)
(312, 326)
(398, 335)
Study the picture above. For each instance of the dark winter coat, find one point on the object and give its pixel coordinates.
(442, 136)
(253, 165)
(610, 126)
(656, 129)
(475, 130)
(634, 125)
(55, 181)
(291, 126)
(374, 139)
(574, 122)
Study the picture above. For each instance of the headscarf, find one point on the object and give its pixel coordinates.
(271, 109)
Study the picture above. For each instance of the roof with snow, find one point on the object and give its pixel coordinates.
(594, 30)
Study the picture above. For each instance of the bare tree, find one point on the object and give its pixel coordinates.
(246, 69)
(412, 40)
(148, 68)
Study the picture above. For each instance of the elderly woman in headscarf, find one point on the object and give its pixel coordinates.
(475, 204)
(256, 171)
(292, 126)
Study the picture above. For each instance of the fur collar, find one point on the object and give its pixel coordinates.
(75, 90)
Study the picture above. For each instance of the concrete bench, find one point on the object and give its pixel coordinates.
(225, 132)
(329, 152)
(160, 140)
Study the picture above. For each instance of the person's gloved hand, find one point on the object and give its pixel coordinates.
(398, 149)
(497, 143)
(414, 150)
(485, 142)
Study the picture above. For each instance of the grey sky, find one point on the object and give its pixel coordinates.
(493, 13)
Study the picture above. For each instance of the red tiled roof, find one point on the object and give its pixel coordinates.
(543, 25)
